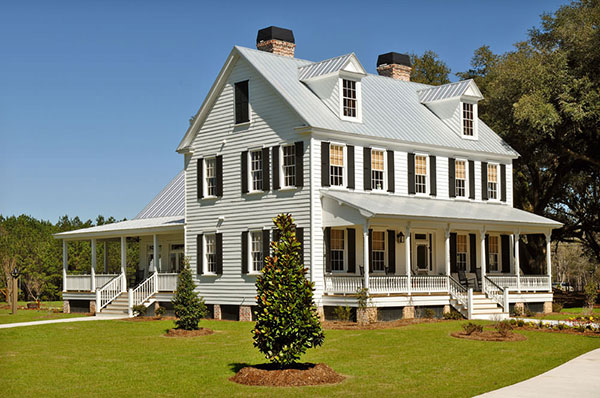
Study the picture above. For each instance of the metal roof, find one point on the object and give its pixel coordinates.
(446, 91)
(129, 228)
(169, 202)
(383, 205)
(325, 67)
(390, 108)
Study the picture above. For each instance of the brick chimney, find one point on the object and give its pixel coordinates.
(276, 40)
(394, 65)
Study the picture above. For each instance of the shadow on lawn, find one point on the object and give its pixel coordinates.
(237, 366)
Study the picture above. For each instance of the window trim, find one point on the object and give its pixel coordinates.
(204, 177)
(358, 117)
(234, 106)
(385, 252)
(344, 270)
(467, 186)
(344, 184)
(282, 183)
(468, 252)
(475, 135)
(205, 236)
(384, 185)
(427, 175)
(499, 254)
(251, 189)
(250, 265)
(498, 182)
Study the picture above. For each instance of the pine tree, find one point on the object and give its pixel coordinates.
(287, 321)
(189, 308)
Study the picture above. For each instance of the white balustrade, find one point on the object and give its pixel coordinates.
(103, 279)
(109, 292)
(144, 290)
(167, 282)
(343, 284)
(388, 284)
(81, 283)
(528, 282)
(494, 292)
(458, 292)
(429, 284)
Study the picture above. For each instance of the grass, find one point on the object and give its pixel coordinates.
(44, 313)
(131, 359)
(566, 313)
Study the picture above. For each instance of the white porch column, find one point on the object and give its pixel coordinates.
(93, 268)
(156, 256)
(549, 260)
(407, 259)
(517, 261)
(105, 258)
(124, 263)
(366, 253)
(65, 264)
(483, 259)
(447, 250)
(512, 253)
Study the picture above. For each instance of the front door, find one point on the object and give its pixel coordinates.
(422, 263)
(422, 252)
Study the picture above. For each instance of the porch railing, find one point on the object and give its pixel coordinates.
(144, 290)
(167, 282)
(496, 293)
(109, 292)
(343, 284)
(103, 279)
(78, 283)
(429, 284)
(524, 283)
(458, 291)
(387, 284)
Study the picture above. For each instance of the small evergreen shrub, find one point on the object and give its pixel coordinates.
(561, 326)
(452, 315)
(189, 308)
(517, 312)
(528, 312)
(139, 310)
(342, 313)
(160, 311)
(520, 323)
(513, 322)
(471, 328)
(503, 328)
(428, 313)
(556, 307)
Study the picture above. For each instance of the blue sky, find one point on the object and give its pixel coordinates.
(96, 95)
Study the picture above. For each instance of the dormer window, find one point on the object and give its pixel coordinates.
(468, 119)
(349, 98)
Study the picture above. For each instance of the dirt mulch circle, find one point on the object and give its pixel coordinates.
(489, 335)
(188, 333)
(339, 325)
(303, 374)
(150, 318)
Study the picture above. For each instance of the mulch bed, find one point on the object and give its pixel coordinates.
(338, 325)
(188, 333)
(564, 331)
(151, 318)
(489, 335)
(304, 374)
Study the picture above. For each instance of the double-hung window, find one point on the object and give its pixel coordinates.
(210, 176)
(421, 174)
(336, 165)
(377, 169)
(492, 181)
(349, 98)
(256, 170)
(460, 174)
(461, 252)
(378, 251)
(211, 254)
(289, 166)
(468, 119)
(494, 252)
(256, 251)
(337, 250)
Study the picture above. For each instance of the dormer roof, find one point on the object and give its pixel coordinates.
(464, 88)
(347, 63)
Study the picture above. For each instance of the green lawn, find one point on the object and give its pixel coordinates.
(33, 315)
(122, 358)
(566, 313)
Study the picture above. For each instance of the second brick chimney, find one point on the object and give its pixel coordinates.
(276, 40)
(394, 65)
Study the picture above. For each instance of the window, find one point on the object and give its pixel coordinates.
(151, 265)
(494, 250)
(378, 260)
(176, 258)
(492, 181)
(211, 254)
(289, 166)
(468, 119)
(256, 254)
(377, 169)
(337, 249)
(461, 252)
(349, 98)
(460, 174)
(421, 174)
(211, 177)
(256, 170)
(336, 164)
(242, 113)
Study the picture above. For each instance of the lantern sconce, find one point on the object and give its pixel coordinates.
(400, 237)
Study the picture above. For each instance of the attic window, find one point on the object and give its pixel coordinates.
(349, 98)
(468, 119)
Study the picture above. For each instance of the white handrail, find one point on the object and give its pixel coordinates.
(495, 293)
(458, 291)
(103, 279)
(145, 290)
(109, 292)
(527, 282)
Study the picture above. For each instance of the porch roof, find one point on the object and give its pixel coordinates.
(385, 205)
(136, 227)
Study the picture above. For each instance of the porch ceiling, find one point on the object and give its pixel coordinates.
(136, 227)
(384, 205)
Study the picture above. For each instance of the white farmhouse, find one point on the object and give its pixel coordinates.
(395, 186)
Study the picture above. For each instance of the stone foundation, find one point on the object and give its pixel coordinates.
(217, 312)
(547, 307)
(321, 313)
(93, 306)
(408, 312)
(446, 309)
(520, 307)
(366, 315)
(66, 307)
(245, 313)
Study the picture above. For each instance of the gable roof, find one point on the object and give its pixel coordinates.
(328, 66)
(450, 90)
(391, 109)
(169, 202)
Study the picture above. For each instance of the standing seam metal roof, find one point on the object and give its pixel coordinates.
(445, 91)
(169, 202)
(323, 67)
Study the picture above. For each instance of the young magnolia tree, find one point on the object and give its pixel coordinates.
(189, 308)
(287, 322)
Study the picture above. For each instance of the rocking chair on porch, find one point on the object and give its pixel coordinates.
(466, 282)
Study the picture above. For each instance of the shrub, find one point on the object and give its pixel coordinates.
(503, 328)
(160, 311)
(453, 314)
(428, 313)
(520, 323)
(561, 326)
(342, 313)
(513, 322)
(591, 292)
(287, 323)
(362, 297)
(189, 307)
(139, 310)
(471, 328)
(556, 307)
(540, 324)
(527, 311)
(517, 312)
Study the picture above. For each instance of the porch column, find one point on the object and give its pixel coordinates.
(93, 268)
(407, 259)
(517, 261)
(447, 250)
(366, 254)
(549, 260)
(65, 264)
(156, 255)
(124, 263)
(512, 253)
(105, 258)
(483, 259)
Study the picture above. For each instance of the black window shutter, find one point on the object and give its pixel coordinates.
(219, 172)
(370, 250)
(275, 156)
(324, 164)
(391, 171)
(391, 251)
(487, 253)
(265, 169)
(411, 173)
(241, 102)
(503, 182)
(245, 172)
(473, 251)
(452, 177)
(471, 179)
(327, 243)
(245, 264)
(432, 177)
(266, 241)
(351, 179)
(351, 250)
(199, 255)
(505, 247)
(276, 234)
(299, 151)
(219, 250)
(300, 239)
(199, 178)
(453, 268)
(367, 168)
(484, 193)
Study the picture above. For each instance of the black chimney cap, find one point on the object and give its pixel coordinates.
(275, 33)
(393, 58)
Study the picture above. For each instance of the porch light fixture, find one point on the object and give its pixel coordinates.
(400, 237)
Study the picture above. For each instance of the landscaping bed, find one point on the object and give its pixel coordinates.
(343, 325)
(188, 333)
(151, 318)
(302, 374)
(489, 335)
